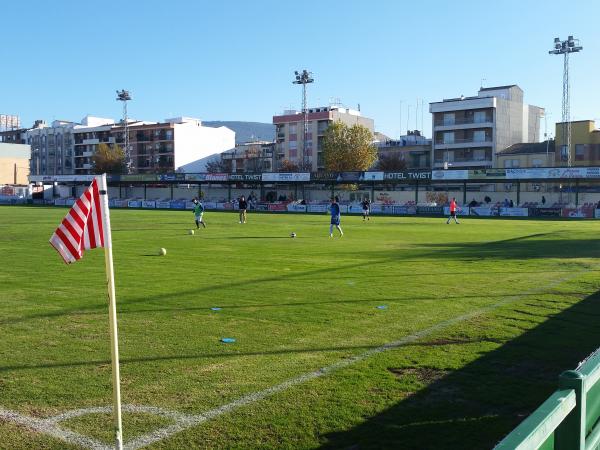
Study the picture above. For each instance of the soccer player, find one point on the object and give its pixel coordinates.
(335, 216)
(242, 206)
(198, 213)
(366, 206)
(452, 211)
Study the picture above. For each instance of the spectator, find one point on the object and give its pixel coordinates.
(506, 203)
(511, 204)
(487, 199)
(473, 203)
(543, 200)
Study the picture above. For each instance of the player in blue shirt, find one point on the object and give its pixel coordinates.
(335, 216)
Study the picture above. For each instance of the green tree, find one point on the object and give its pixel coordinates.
(391, 163)
(109, 160)
(348, 148)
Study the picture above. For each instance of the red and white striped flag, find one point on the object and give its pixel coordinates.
(82, 228)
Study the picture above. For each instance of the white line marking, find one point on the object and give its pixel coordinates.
(48, 427)
(184, 422)
(192, 421)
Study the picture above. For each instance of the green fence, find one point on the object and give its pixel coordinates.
(568, 419)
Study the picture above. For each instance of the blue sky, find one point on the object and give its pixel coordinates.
(234, 60)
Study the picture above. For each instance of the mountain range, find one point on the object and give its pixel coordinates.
(245, 131)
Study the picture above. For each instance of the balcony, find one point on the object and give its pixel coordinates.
(91, 141)
(463, 124)
(463, 143)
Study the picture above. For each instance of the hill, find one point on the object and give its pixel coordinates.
(246, 131)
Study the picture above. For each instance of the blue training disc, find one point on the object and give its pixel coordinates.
(382, 307)
(227, 340)
(216, 308)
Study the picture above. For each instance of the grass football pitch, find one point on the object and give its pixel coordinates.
(406, 333)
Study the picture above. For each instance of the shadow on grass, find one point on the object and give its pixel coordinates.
(524, 247)
(124, 309)
(231, 352)
(476, 406)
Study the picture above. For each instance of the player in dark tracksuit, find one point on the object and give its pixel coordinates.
(335, 217)
(366, 206)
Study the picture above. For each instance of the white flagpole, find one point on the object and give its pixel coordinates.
(112, 313)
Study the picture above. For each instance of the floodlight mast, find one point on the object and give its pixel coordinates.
(124, 96)
(304, 78)
(571, 45)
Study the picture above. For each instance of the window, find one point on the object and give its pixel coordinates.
(579, 152)
(479, 136)
(537, 163)
(449, 137)
(479, 117)
(293, 128)
(510, 163)
(564, 153)
(448, 118)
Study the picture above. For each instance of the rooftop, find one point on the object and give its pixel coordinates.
(526, 148)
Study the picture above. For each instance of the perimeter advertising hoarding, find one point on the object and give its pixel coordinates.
(323, 176)
(148, 204)
(134, 204)
(143, 177)
(216, 177)
(294, 207)
(373, 176)
(482, 174)
(450, 175)
(430, 209)
(554, 173)
(514, 212)
(317, 208)
(163, 205)
(578, 212)
(545, 212)
(60, 178)
(482, 211)
(245, 177)
(286, 176)
(408, 175)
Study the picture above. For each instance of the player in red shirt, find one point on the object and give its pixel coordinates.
(453, 208)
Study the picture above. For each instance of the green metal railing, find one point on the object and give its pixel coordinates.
(569, 419)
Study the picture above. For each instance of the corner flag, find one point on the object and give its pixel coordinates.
(87, 226)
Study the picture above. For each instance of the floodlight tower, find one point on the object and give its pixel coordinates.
(564, 48)
(304, 78)
(124, 96)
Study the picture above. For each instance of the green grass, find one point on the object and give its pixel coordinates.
(294, 306)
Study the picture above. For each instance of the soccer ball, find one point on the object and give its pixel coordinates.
(293, 235)
(162, 252)
(191, 232)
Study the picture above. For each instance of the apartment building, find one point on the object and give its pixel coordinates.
(251, 157)
(469, 131)
(585, 144)
(51, 147)
(14, 163)
(289, 134)
(413, 148)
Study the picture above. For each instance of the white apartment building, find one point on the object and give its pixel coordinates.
(468, 132)
(68, 147)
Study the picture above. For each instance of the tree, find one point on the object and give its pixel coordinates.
(218, 166)
(391, 163)
(348, 148)
(109, 160)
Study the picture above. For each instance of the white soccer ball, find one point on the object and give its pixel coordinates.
(191, 232)
(293, 235)
(162, 252)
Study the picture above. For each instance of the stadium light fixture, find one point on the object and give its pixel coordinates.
(304, 78)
